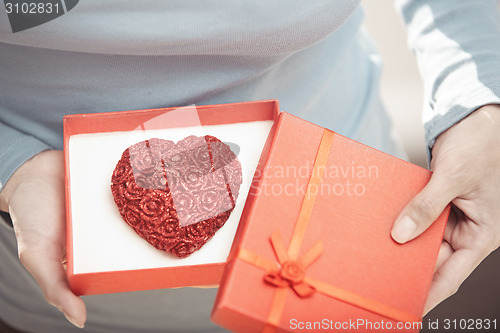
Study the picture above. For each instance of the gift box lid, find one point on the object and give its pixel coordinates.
(317, 222)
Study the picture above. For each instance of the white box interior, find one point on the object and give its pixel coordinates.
(102, 240)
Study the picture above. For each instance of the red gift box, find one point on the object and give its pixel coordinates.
(104, 255)
(313, 249)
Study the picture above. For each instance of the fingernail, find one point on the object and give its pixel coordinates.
(73, 320)
(404, 230)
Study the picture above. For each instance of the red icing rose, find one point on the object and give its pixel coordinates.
(176, 196)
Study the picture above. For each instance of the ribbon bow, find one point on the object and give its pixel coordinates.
(291, 273)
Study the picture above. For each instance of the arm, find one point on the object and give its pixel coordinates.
(15, 149)
(457, 44)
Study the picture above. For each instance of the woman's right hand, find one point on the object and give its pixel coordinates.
(34, 198)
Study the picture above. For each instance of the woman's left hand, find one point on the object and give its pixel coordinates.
(466, 166)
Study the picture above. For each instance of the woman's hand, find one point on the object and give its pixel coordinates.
(466, 165)
(34, 197)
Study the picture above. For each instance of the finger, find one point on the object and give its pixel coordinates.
(453, 218)
(450, 276)
(445, 252)
(48, 271)
(423, 210)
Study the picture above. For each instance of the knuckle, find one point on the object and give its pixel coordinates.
(453, 291)
(23, 257)
(425, 209)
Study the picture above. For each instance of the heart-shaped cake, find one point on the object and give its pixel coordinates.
(177, 195)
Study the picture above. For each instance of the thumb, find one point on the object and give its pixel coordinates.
(423, 210)
(49, 272)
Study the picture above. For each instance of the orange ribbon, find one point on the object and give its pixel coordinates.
(290, 271)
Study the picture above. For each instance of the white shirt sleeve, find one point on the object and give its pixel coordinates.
(457, 44)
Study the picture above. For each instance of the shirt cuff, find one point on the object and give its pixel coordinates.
(15, 149)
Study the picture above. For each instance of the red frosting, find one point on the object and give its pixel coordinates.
(176, 196)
